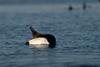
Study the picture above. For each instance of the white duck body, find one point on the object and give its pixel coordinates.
(39, 42)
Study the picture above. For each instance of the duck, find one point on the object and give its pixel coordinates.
(84, 6)
(40, 40)
(70, 8)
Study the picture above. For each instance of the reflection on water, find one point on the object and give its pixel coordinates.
(77, 33)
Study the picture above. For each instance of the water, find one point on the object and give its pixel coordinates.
(43, 1)
(77, 33)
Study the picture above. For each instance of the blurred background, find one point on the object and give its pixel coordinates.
(74, 23)
(43, 1)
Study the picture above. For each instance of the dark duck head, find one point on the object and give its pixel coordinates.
(41, 40)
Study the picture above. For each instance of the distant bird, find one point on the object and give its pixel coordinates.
(84, 6)
(70, 8)
(40, 40)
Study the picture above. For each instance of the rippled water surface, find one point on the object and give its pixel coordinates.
(77, 33)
